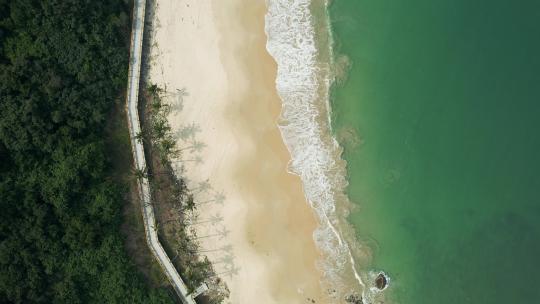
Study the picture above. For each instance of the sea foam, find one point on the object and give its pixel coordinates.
(303, 84)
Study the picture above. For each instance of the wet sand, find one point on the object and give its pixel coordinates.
(216, 50)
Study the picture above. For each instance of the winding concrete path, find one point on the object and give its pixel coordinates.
(138, 154)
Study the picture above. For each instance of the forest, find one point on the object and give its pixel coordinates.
(63, 68)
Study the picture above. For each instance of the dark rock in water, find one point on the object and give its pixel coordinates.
(354, 299)
(381, 281)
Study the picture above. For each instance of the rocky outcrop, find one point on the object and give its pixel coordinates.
(381, 281)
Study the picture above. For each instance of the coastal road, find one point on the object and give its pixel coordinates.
(138, 154)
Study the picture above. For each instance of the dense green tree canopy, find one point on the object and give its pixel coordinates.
(63, 64)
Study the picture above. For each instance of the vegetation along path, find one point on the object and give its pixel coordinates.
(139, 158)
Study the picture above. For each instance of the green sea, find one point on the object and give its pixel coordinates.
(442, 99)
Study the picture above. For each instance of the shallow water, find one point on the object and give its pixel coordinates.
(303, 82)
(439, 120)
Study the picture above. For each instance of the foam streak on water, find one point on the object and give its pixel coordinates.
(306, 131)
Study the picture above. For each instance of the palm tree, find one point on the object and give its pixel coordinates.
(189, 204)
(140, 173)
(158, 107)
(167, 148)
(187, 247)
(154, 90)
(140, 137)
(156, 104)
(160, 128)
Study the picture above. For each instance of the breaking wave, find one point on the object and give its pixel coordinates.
(303, 83)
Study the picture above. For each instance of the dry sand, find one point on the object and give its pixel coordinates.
(216, 50)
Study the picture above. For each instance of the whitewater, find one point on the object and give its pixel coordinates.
(303, 83)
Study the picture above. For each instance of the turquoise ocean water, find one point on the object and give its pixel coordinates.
(440, 121)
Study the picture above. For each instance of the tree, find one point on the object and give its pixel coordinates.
(154, 90)
(63, 67)
(140, 173)
(140, 137)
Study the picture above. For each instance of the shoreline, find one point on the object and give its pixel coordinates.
(307, 74)
(222, 62)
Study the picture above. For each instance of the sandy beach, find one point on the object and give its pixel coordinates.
(216, 52)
